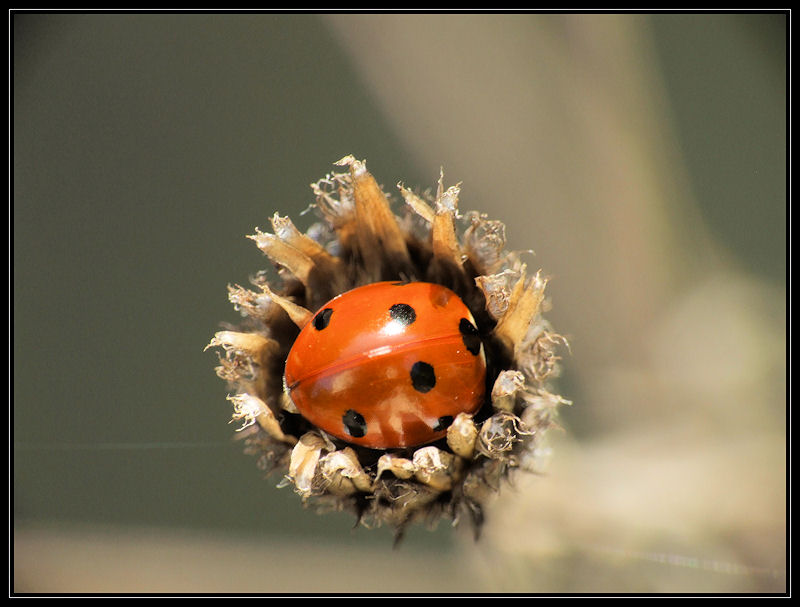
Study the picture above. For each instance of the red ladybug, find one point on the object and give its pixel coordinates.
(388, 365)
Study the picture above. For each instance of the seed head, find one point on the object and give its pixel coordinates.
(359, 240)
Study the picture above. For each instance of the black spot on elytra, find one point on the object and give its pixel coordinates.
(443, 422)
(470, 335)
(354, 423)
(422, 377)
(322, 319)
(403, 313)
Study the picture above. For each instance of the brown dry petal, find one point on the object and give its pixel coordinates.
(358, 240)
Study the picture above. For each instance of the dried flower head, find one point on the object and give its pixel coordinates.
(358, 241)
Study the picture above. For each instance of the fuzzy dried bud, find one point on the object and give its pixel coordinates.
(304, 461)
(399, 466)
(342, 472)
(461, 436)
(436, 468)
(505, 390)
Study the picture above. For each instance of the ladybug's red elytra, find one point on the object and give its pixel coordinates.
(388, 365)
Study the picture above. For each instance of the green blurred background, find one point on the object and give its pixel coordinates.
(642, 157)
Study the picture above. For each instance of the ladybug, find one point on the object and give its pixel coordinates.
(388, 365)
